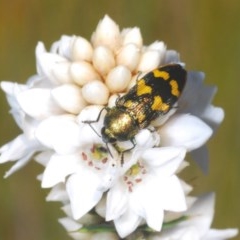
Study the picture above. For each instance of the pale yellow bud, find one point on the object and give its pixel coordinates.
(112, 99)
(149, 60)
(118, 79)
(95, 92)
(129, 56)
(83, 72)
(69, 98)
(160, 47)
(107, 34)
(81, 49)
(132, 35)
(103, 60)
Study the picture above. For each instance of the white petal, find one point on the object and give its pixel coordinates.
(19, 164)
(127, 223)
(46, 62)
(21, 149)
(215, 234)
(117, 199)
(70, 225)
(196, 99)
(155, 195)
(72, 228)
(154, 218)
(83, 190)
(147, 203)
(90, 113)
(185, 130)
(164, 161)
(173, 195)
(59, 133)
(58, 168)
(12, 90)
(63, 46)
(200, 156)
(38, 103)
(147, 139)
(200, 219)
(69, 97)
(213, 115)
(171, 56)
(15, 149)
(43, 157)
(204, 209)
(61, 72)
(58, 193)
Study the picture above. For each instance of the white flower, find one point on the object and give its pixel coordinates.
(61, 111)
(147, 189)
(83, 164)
(23, 147)
(197, 224)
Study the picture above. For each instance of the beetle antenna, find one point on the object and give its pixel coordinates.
(94, 129)
(109, 150)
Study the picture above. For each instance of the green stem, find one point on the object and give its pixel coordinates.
(110, 228)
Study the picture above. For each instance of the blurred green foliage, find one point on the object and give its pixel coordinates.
(207, 35)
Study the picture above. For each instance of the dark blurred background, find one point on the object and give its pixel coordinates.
(205, 33)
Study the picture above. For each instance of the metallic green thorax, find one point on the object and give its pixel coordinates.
(118, 125)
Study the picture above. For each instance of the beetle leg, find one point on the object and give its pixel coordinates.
(127, 150)
(99, 115)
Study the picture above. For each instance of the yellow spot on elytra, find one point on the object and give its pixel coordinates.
(157, 73)
(174, 89)
(157, 102)
(164, 107)
(158, 105)
(142, 88)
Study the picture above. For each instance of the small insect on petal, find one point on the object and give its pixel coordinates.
(152, 96)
